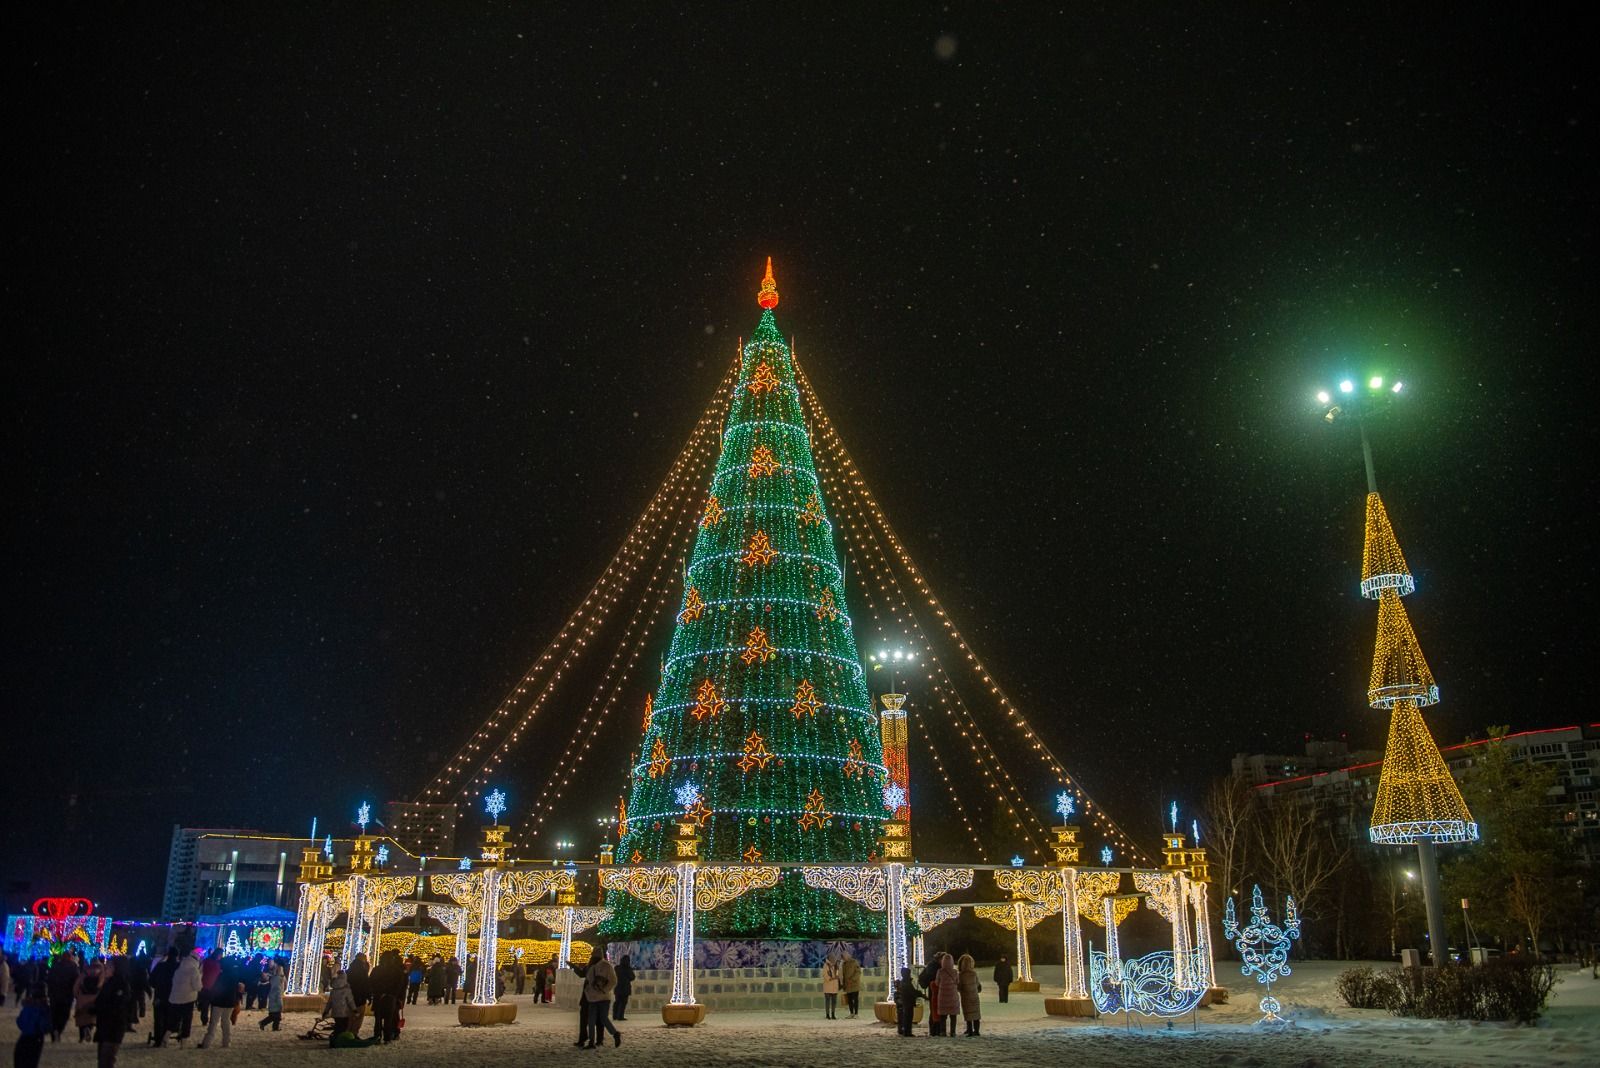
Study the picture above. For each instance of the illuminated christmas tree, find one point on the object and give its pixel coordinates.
(762, 727)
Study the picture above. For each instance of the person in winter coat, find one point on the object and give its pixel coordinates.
(274, 1014)
(906, 996)
(850, 984)
(436, 981)
(32, 1025)
(414, 980)
(111, 1006)
(619, 1011)
(1002, 978)
(341, 1005)
(519, 975)
(948, 996)
(5, 979)
(223, 994)
(210, 970)
(969, 986)
(388, 995)
(61, 983)
(83, 995)
(185, 992)
(325, 974)
(928, 979)
(538, 985)
(830, 986)
(139, 981)
(359, 977)
(599, 988)
(161, 977)
(549, 982)
(452, 980)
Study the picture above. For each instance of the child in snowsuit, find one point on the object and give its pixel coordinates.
(906, 996)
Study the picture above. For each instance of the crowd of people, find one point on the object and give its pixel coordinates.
(106, 999)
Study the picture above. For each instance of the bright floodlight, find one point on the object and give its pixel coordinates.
(1396, 387)
(1375, 382)
(1347, 386)
(1323, 396)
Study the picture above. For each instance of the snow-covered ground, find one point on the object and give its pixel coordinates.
(1326, 1035)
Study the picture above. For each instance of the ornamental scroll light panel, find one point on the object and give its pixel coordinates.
(683, 889)
(459, 921)
(927, 918)
(566, 918)
(1019, 917)
(1163, 984)
(1264, 947)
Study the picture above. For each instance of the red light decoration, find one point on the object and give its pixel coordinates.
(61, 908)
(768, 297)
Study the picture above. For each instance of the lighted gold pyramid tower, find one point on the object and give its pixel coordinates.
(1418, 800)
(1417, 797)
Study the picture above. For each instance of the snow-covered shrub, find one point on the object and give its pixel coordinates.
(1363, 988)
(1499, 990)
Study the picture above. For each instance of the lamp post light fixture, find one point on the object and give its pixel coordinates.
(1353, 403)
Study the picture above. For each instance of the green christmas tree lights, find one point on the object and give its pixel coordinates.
(761, 728)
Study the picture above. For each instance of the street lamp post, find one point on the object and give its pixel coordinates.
(1418, 801)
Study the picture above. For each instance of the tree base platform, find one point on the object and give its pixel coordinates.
(682, 1015)
(304, 1002)
(886, 1013)
(503, 1012)
(1023, 986)
(1069, 1006)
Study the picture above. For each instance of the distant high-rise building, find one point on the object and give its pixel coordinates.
(213, 870)
(1261, 768)
(428, 830)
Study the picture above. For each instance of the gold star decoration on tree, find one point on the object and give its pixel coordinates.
(827, 607)
(698, 812)
(756, 753)
(659, 761)
(816, 813)
(854, 764)
(762, 462)
(757, 647)
(693, 606)
(707, 702)
(805, 700)
(759, 550)
(636, 859)
(764, 379)
(752, 855)
(713, 513)
(649, 709)
(811, 514)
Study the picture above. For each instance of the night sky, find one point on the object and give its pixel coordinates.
(347, 343)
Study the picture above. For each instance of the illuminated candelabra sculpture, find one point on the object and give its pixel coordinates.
(683, 889)
(1263, 947)
(566, 917)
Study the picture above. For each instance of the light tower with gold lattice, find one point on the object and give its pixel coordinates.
(1418, 801)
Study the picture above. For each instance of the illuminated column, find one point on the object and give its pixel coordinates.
(494, 858)
(683, 937)
(919, 946)
(1113, 943)
(1205, 956)
(1077, 980)
(895, 922)
(354, 916)
(1024, 959)
(299, 953)
(1182, 957)
(461, 938)
(896, 760)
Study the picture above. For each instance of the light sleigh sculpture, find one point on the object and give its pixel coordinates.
(1264, 948)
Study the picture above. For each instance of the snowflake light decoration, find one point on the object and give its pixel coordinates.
(1017, 861)
(687, 795)
(1174, 814)
(465, 865)
(383, 855)
(327, 847)
(1106, 855)
(364, 816)
(894, 796)
(1066, 804)
(495, 804)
